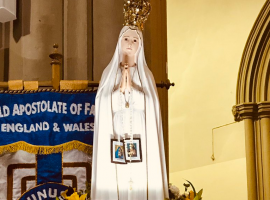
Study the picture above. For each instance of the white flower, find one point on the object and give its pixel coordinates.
(175, 190)
(186, 193)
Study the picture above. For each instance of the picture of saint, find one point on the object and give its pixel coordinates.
(119, 152)
(132, 150)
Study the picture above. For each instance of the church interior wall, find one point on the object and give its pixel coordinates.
(205, 43)
(31, 38)
(206, 40)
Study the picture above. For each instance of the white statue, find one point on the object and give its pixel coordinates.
(127, 106)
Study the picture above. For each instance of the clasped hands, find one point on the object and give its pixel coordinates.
(126, 79)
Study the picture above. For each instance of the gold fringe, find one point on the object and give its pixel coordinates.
(11, 148)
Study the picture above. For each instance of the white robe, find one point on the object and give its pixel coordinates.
(127, 121)
(152, 182)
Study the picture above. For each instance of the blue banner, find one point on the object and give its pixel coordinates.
(49, 168)
(47, 118)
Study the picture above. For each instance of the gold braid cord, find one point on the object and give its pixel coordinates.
(11, 148)
(136, 13)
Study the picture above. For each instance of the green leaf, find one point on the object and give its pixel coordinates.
(199, 195)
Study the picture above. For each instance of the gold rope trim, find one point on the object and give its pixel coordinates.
(11, 148)
(46, 90)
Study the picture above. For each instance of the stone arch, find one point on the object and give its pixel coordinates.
(253, 78)
(253, 105)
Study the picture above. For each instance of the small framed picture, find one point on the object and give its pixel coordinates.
(118, 152)
(133, 150)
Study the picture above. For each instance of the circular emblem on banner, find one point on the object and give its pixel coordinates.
(48, 191)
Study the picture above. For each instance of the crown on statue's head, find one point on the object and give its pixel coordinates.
(136, 13)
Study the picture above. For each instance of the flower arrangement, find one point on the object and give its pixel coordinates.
(71, 194)
(174, 192)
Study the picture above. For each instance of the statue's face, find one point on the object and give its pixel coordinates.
(130, 43)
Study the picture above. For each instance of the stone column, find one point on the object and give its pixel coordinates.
(265, 134)
(259, 160)
(108, 21)
(32, 35)
(77, 39)
(251, 159)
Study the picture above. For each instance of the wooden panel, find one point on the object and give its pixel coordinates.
(90, 52)
(155, 41)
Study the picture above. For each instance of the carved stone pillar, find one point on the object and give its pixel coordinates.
(264, 115)
(265, 128)
(247, 112)
(250, 158)
(259, 162)
(257, 131)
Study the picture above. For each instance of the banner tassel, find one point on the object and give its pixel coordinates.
(24, 146)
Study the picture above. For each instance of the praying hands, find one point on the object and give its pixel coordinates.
(126, 79)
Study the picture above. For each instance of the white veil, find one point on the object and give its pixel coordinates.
(104, 182)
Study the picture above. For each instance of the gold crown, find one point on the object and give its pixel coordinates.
(136, 13)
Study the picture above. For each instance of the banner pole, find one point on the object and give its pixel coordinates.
(56, 63)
